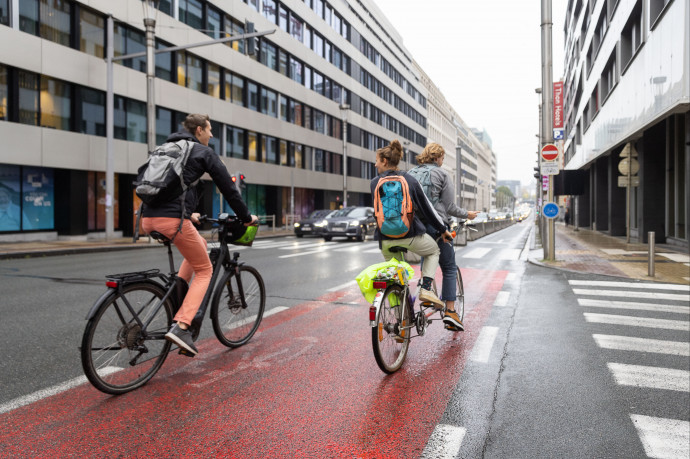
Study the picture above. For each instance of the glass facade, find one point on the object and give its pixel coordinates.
(3, 92)
(91, 33)
(26, 198)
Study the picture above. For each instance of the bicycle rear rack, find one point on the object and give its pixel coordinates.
(134, 276)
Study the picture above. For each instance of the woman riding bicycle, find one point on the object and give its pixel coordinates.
(439, 189)
(166, 220)
(416, 240)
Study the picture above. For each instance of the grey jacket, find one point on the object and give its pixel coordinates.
(442, 187)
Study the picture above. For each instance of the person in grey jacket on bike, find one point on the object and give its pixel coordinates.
(439, 189)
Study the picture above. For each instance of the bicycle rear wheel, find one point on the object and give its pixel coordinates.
(390, 342)
(233, 323)
(116, 354)
(460, 296)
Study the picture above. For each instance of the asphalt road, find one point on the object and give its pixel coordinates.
(534, 374)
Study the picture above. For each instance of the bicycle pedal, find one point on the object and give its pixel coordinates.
(186, 353)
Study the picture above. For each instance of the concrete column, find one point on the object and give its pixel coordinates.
(583, 211)
(617, 200)
(601, 194)
(652, 158)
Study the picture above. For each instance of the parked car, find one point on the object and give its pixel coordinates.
(481, 217)
(313, 224)
(350, 222)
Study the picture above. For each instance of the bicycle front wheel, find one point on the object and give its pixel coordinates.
(459, 296)
(235, 323)
(390, 337)
(117, 355)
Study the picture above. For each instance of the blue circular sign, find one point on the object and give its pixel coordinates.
(550, 210)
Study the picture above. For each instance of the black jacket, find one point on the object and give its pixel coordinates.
(422, 207)
(202, 159)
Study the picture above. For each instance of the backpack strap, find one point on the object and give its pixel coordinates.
(186, 153)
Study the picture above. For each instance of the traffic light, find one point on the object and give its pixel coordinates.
(537, 172)
(250, 43)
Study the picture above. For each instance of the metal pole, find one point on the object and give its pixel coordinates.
(627, 199)
(150, 25)
(109, 134)
(547, 106)
(650, 242)
(343, 110)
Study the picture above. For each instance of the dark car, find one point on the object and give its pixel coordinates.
(313, 224)
(350, 222)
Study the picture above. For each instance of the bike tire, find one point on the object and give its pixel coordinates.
(111, 335)
(460, 296)
(233, 324)
(390, 344)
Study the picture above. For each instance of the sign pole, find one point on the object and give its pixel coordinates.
(547, 101)
(627, 199)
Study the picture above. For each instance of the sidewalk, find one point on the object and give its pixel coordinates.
(588, 251)
(65, 247)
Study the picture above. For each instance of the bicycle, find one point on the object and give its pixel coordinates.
(124, 343)
(393, 317)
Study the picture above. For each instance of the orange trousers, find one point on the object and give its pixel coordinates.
(193, 248)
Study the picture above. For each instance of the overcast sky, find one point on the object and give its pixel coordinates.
(485, 56)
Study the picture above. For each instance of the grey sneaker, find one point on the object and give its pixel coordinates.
(427, 296)
(182, 338)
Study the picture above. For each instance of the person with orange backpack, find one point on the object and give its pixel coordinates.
(399, 202)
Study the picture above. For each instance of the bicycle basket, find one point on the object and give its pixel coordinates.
(241, 235)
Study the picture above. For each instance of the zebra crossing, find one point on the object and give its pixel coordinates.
(642, 319)
(305, 247)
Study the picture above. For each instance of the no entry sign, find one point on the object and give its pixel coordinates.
(549, 152)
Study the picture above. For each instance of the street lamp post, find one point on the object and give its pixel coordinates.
(458, 172)
(343, 113)
(150, 10)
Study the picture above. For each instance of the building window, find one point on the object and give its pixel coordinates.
(136, 120)
(37, 198)
(269, 149)
(283, 18)
(268, 55)
(283, 110)
(233, 27)
(91, 33)
(307, 77)
(307, 117)
(631, 37)
(299, 163)
(213, 22)
(269, 104)
(609, 77)
(253, 96)
(213, 77)
(319, 122)
(4, 92)
(128, 41)
(55, 103)
(296, 28)
(269, 10)
(296, 115)
(234, 144)
(318, 83)
(191, 13)
(5, 12)
(283, 152)
(282, 62)
(164, 121)
(92, 107)
(165, 6)
(252, 146)
(214, 142)
(164, 63)
(28, 16)
(190, 71)
(656, 8)
(237, 87)
(296, 70)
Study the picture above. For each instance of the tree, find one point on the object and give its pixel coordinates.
(504, 198)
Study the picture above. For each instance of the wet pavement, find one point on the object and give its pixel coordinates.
(579, 250)
(586, 251)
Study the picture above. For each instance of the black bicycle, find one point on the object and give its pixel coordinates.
(124, 342)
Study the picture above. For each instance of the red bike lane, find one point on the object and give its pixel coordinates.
(306, 385)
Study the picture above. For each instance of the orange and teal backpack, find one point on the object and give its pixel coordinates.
(393, 206)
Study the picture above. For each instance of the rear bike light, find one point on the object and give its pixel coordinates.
(379, 285)
(372, 313)
(111, 284)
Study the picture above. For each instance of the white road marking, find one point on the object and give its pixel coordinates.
(306, 246)
(376, 250)
(663, 438)
(637, 321)
(485, 341)
(445, 442)
(353, 248)
(587, 283)
(677, 257)
(301, 254)
(342, 286)
(502, 298)
(509, 254)
(511, 277)
(630, 343)
(50, 391)
(622, 252)
(633, 305)
(479, 252)
(650, 377)
(629, 294)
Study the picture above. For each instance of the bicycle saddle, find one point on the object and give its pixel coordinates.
(160, 237)
(396, 249)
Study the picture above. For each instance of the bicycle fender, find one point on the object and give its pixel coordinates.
(98, 302)
(376, 305)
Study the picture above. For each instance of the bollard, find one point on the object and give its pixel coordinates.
(650, 240)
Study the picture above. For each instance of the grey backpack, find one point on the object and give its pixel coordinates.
(159, 179)
(423, 175)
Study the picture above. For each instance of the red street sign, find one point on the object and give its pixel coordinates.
(549, 152)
